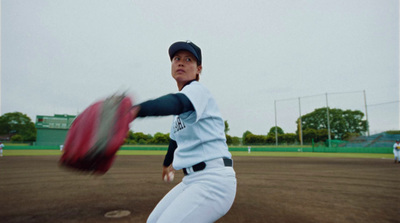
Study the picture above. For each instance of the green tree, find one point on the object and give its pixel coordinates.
(289, 138)
(322, 135)
(232, 140)
(271, 139)
(18, 123)
(16, 138)
(348, 136)
(235, 141)
(309, 134)
(226, 127)
(273, 129)
(130, 138)
(252, 139)
(138, 138)
(160, 138)
(228, 139)
(130, 135)
(341, 122)
(245, 134)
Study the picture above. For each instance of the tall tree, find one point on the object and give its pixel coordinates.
(245, 134)
(226, 127)
(273, 129)
(18, 123)
(341, 121)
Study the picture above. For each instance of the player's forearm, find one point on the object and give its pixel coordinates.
(171, 104)
(169, 157)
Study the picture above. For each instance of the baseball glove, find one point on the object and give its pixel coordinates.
(96, 135)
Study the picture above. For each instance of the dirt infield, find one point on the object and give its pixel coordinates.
(270, 189)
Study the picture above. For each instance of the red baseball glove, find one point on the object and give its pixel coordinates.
(97, 133)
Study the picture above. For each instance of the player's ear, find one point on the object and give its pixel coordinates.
(199, 69)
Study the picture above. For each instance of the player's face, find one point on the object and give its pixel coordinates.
(184, 67)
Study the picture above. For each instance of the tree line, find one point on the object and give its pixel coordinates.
(344, 125)
(17, 127)
(159, 138)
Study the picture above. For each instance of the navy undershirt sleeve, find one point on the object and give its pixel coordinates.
(170, 104)
(169, 157)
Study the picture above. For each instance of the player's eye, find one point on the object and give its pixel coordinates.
(176, 58)
(188, 59)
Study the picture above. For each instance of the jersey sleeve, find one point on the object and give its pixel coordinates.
(199, 96)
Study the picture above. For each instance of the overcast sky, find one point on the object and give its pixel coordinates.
(59, 56)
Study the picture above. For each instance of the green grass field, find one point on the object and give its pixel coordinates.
(234, 153)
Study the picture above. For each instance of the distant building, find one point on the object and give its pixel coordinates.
(52, 130)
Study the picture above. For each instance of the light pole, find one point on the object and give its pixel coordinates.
(276, 126)
(366, 111)
(300, 125)
(327, 115)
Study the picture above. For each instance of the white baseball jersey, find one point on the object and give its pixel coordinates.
(396, 146)
(396, 151)
(199, 134)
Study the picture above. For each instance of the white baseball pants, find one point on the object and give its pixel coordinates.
(203, 196)
(396, 154)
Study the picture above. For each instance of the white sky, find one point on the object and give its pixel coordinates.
(59, 56)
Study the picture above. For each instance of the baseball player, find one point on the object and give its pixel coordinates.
(197, 145)
(396, 151)
(1, 148)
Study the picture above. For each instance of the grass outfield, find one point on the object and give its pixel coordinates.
(234, 153)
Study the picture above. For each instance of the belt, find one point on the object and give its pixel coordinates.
(212, 163)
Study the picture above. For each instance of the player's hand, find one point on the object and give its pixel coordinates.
(168, 173)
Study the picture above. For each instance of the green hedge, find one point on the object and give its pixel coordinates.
(144, 148)
(316, 149)
(235, 148)
(18, 147)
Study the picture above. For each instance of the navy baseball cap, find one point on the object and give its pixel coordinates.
(188, 46)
